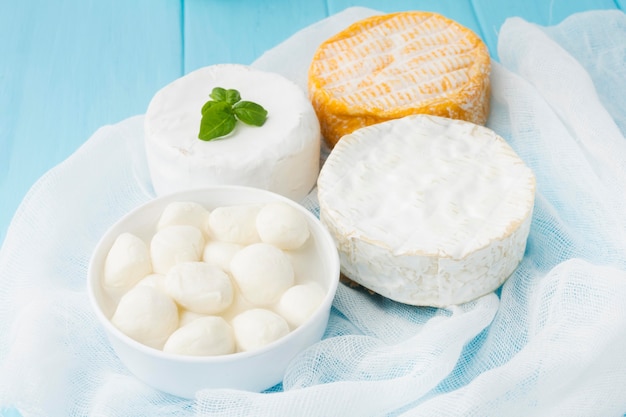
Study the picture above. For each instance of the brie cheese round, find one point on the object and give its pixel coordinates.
(427, 210)
(281, 156)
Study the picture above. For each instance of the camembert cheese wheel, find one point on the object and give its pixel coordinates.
(281, 156)
(427, 210)
(394, 65)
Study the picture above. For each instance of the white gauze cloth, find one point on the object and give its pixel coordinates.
(550, 342)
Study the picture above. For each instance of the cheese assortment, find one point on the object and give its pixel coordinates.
(281, 156)
(426, 206)
(393, 65)
(198, 295)
(427, 210)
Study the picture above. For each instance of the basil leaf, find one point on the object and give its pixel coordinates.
(218, 94)
(232, 96)
(250, 113)
(208, 105)
(220, 114)
(218, 120)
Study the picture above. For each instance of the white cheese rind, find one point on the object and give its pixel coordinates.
(427, 210)
(281, 156)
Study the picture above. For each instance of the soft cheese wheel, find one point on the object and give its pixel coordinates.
(427, 210)
(280, 156)
(389, 66)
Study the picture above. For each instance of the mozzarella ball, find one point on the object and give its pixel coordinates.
(156, 281)
(127, 262)
(186, 316)
(299, 302)
(235, 224)
(282, 225)
(199, 287)
(258, 327)
(263, 273)
(175, 244)
(220, 253)
(146, 315)
(205, 336)
(184, 213)
(239, 305)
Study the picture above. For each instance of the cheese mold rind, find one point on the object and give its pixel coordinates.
(427, 210)
(394, 65)
(281, 156)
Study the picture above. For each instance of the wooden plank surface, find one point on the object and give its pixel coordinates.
(68, 67)
(238, 31)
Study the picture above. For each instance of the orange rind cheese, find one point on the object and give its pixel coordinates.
(394, 65)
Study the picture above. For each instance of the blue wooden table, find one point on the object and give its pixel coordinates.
(68, 67)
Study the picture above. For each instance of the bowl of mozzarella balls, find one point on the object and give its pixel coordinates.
(218, 287)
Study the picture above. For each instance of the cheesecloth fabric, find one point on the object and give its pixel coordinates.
(550, 342)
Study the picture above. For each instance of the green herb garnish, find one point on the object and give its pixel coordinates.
(220, 114)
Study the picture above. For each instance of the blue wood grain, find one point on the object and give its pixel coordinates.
(239, 31)
(70, 66)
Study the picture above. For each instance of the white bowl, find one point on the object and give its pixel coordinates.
(184, 375)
